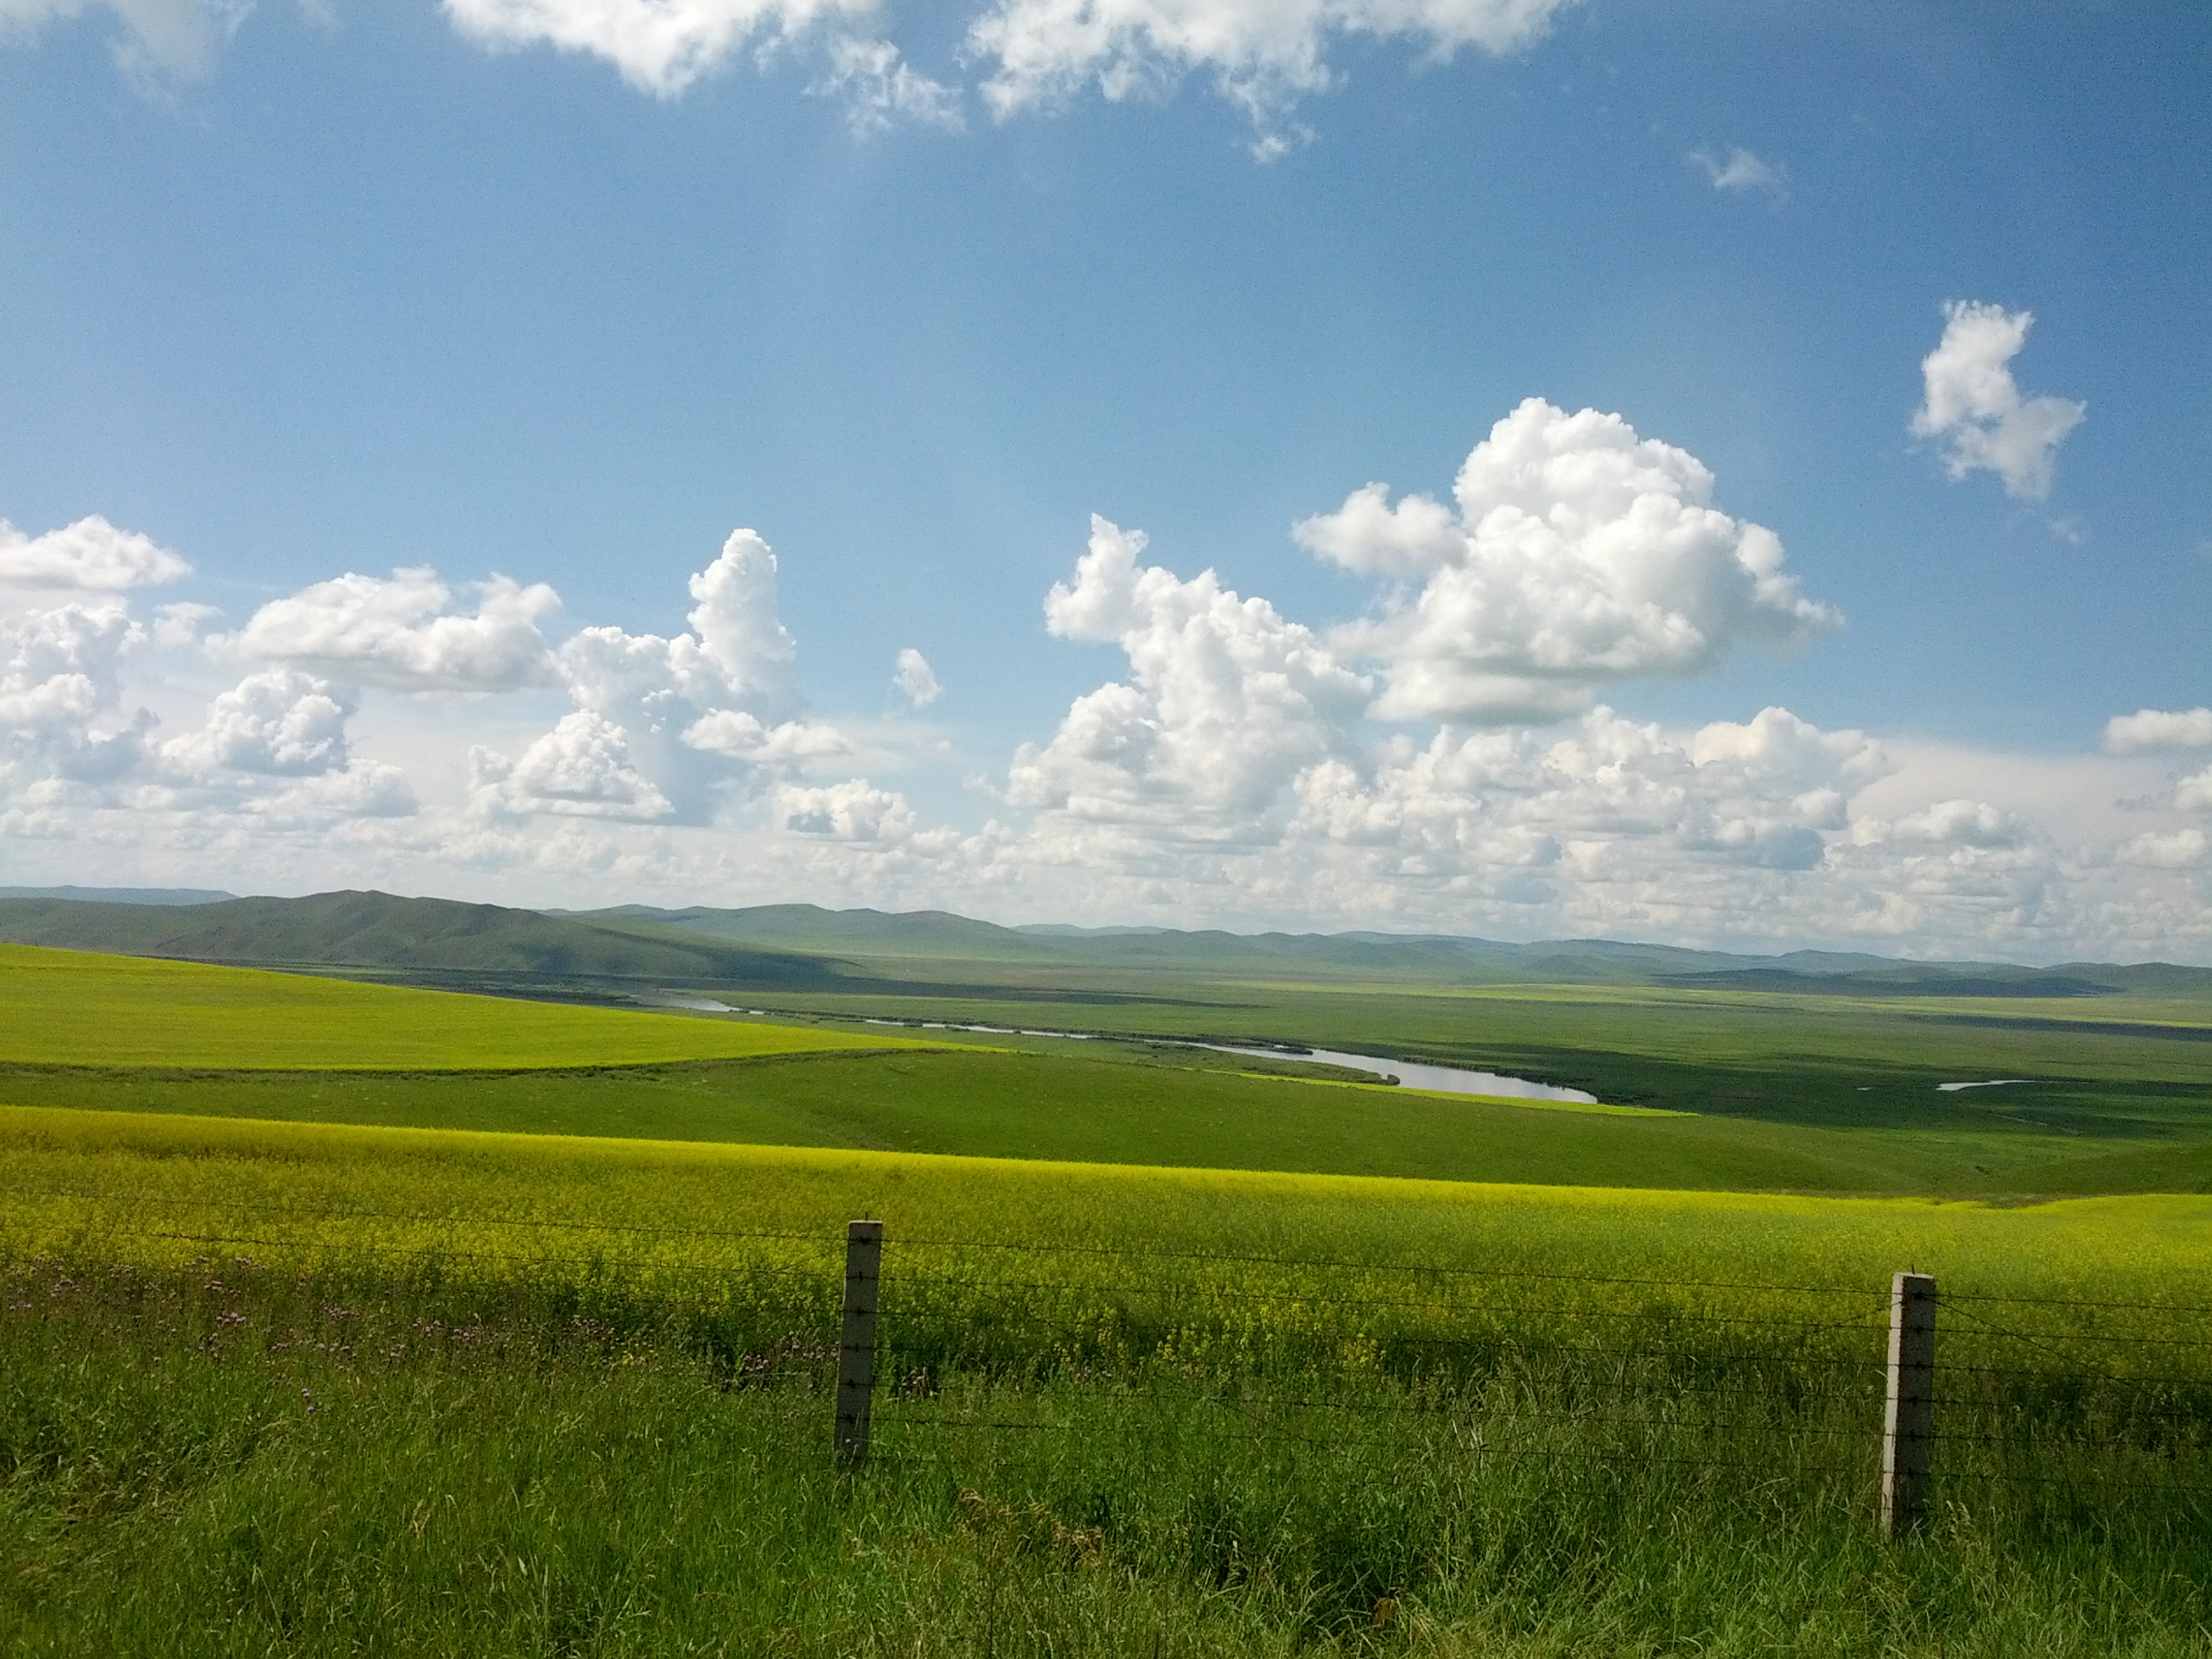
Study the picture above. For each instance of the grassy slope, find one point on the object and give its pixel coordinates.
(498, 1455)
(70, 1008)
(147, 1035)
(1082, 1109)
(2083, 1246)
(376, 931)
(1041, 1106)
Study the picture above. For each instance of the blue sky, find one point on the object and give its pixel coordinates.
(565, 294)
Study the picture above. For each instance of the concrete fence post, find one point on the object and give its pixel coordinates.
(856, 1345)
(1908, 1426)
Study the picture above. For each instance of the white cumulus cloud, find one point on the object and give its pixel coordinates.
(1226, 702)
(581, 769)
(1494, 810)
(677, 721)
(281, 722)
(403, 633)
(2178, 850)
(1263, 54)
(2148, 730)
(740, 736)
(852, 811)
(914, 679)
(1958, 822)
(660, 46)
(1977, 413)
(60, 690)
(1580, 555)
(90, 554)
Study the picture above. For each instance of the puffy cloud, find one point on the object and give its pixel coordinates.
(1952, 823)
(881, 90)
(2177, 851)
(1975, 411)
(365, 789)
(853, 811)
(676, 722)
(2194, 792)
(59, 668)
(739, 650)
(281, 722)
(1228, 701)
(271, 750)
(1580, 555)
(913, 678)
(179, 624)
(2152, 729)
(734, 614)
(740, 736)
(402, 633)
(1263, 54)
(1740, 171)
(161, 41)
(1468, 807)
(581, 769)
(660, 46)
(60, 680)
(90, 554)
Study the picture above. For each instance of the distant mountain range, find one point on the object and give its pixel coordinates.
(796, 947)
(121, 895)
(417, 938)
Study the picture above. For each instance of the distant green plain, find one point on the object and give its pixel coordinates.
(1805, 1094)
(75, 1008)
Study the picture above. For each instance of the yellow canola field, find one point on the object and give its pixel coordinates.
(1231, 1252)
(77, 1008)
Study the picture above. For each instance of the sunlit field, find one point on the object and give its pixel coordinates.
(74, 1008)
(397, 1321)
(277, 1387)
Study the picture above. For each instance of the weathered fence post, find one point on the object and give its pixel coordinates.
(856, 1345)
(1908, 1426)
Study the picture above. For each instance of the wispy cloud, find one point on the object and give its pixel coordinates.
(1740, 172)
(881, 90)
(161, 42)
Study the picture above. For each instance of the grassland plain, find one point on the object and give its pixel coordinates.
(1836, 1059)
(325, 1196)
(300, 1388)
(1079, 1108)
(1819, 1095)
(71, 1007)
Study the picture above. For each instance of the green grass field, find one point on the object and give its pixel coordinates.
(74, 1176)
(343, 1318)
(72, 1008)
(302, 1388)
(1845, 1095)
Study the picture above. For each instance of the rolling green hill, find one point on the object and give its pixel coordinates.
(802, 947)
(109, 1015)
(380, 931)
(932, 944)
(1824, 1096)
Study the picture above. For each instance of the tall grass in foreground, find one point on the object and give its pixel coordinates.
(221, 1457)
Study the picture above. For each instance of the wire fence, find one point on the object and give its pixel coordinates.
(966, 1346)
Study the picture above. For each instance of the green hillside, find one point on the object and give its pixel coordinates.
(803, 948)
(377, 930)
(1801, 1099)
(73, 1010)
(933, 945)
